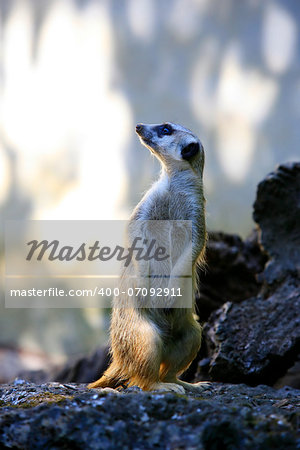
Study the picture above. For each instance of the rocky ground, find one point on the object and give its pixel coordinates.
(250, 309)
(226, 416)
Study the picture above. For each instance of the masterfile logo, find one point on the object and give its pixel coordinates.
(54, 251)
(88, 263)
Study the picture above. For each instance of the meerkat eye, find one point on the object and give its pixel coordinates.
(165, 130)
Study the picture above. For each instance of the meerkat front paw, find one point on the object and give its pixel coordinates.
(168, 387)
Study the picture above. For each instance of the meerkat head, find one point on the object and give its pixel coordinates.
(176, 147)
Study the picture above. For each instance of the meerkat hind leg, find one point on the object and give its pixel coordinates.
(168, 387)
(181, 353)
(195, 387)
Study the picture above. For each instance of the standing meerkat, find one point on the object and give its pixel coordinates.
(151, 347)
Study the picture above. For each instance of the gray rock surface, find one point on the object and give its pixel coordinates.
(257, 340)
(230, 272)
(277, 212)
(55, 416)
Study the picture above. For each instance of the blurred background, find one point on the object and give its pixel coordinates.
(75, 78)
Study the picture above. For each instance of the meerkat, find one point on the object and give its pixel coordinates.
(151, 347)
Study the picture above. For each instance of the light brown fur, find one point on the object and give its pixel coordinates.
(151, 347)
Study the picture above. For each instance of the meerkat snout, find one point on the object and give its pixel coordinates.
(139, 128)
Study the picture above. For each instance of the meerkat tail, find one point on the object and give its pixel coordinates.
(112, 378)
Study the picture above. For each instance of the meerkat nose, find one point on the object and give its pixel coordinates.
(139, 127)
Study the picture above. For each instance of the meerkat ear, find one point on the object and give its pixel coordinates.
(190, 150)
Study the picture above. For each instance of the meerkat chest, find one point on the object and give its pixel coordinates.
(185, 199)
(179, 199)
(171, 201)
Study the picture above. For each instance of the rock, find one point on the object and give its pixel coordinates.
(277, 212)
(226, 416)
(230, 272)
(257, 340)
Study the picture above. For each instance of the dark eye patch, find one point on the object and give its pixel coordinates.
(190, 150)
(164, 130)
